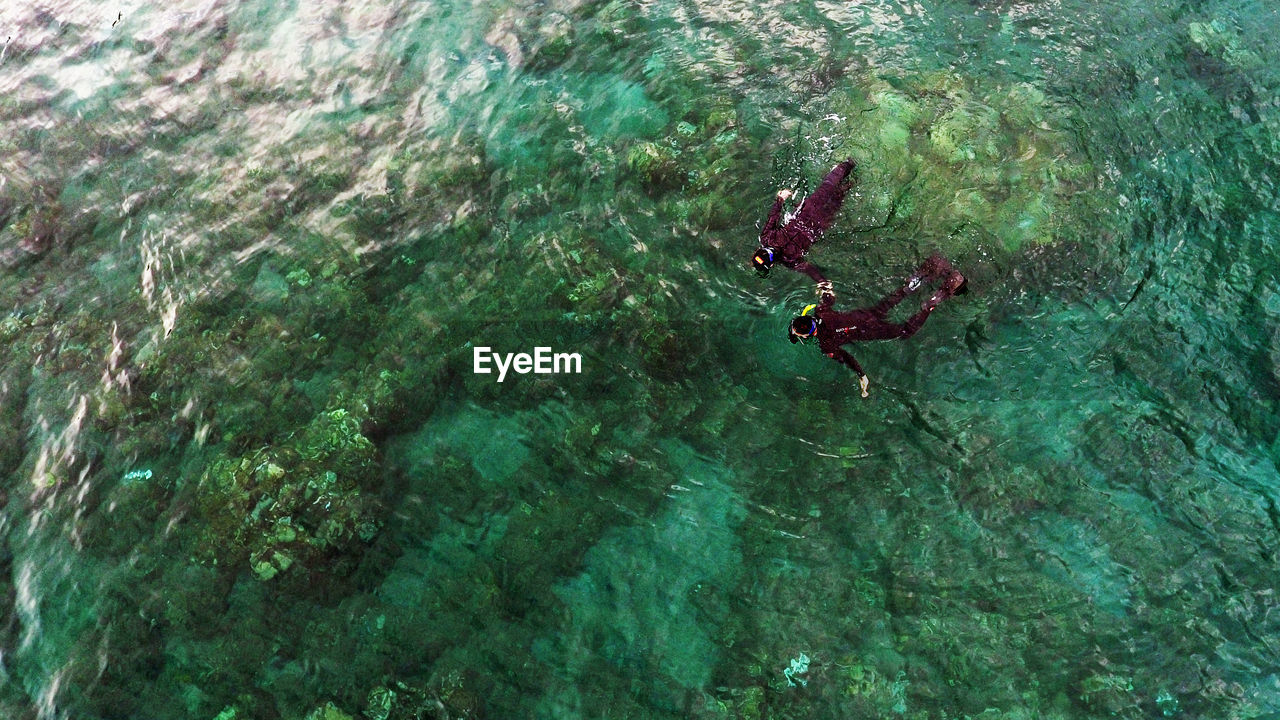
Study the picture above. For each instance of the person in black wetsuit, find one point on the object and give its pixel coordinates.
(834, 329)
(787, 244)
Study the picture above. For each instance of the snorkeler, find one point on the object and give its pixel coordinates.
(787, 244)
(834, 329)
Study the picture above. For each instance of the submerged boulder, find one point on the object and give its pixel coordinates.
(964, 159)
(296, 503)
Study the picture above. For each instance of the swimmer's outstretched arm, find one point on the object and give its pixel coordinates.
(843, 357)
(812, 271)
(775, 214)
(826, 294)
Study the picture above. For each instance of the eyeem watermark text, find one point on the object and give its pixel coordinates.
(541, 362)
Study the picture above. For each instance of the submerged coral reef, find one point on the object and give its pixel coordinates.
(246, 253)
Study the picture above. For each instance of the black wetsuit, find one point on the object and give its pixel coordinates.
(817, 211)
(838, 328)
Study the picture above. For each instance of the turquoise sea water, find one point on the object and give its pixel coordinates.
(247, 250)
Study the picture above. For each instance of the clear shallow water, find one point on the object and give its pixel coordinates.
(248, 470)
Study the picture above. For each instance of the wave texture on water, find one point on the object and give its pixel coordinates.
(247, 250)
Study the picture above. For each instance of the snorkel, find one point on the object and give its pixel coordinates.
(803, 327)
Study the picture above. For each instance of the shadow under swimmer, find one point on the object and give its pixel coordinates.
(542, 362)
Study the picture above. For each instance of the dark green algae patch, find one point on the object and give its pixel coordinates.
(335, 509)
